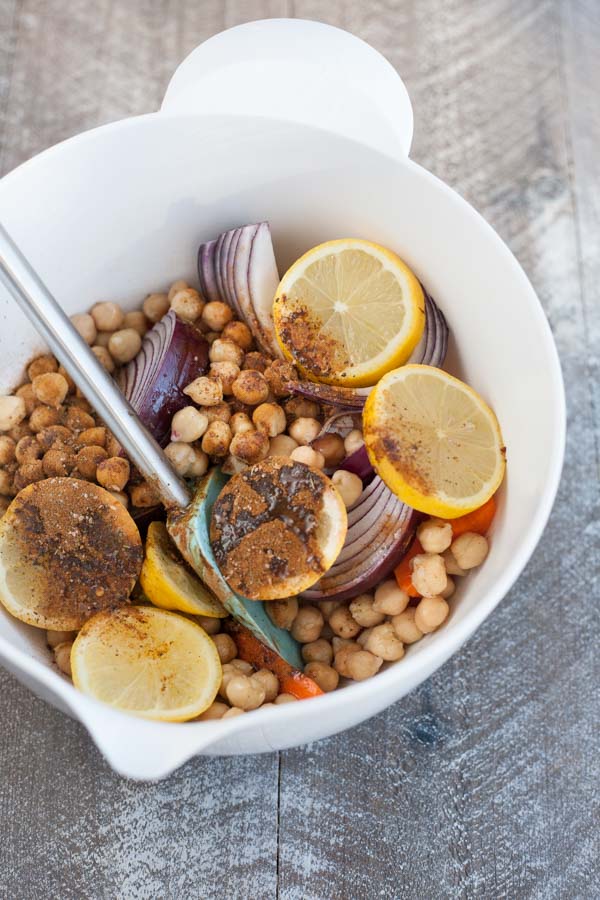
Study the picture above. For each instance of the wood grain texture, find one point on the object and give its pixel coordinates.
(484, 783)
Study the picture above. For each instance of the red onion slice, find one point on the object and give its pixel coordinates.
(206, 271)
(358, 463)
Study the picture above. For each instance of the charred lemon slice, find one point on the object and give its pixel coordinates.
(277, 528)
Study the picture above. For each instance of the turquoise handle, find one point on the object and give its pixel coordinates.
(190, 531)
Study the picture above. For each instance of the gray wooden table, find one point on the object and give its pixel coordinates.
(485, 782)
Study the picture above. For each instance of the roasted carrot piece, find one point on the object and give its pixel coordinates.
(479, 520)
(403, 572)
(251, 650)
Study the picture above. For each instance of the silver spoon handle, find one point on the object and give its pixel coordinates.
(91, 378)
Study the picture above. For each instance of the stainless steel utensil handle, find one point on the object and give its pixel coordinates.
(91, 378)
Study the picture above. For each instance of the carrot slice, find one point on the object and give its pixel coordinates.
(403, 571)
(251, 650)
(479, 520)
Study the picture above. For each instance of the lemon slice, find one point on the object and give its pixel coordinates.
(348, 311)
(434, 441)
(147, 662)
(169, 583)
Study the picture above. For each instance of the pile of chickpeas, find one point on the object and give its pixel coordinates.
(239, 413)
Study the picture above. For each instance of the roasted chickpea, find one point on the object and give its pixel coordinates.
(20, 431)
(181, 456)
(449, 590)
(244, 692)
(26, 474)
(390, 599)
(187, 304)
(452, 567)
(25, 392)
(363, 665)
(470, 549)
(12, 412)
(434, 537)
(232, 712)
(268, 681)
(309, 457)
(143, 495)
(88, 459)
(42, 365)
(363, 611)
(179, 285)
(301, 408)
(216, 315)
(249, 446)
(7, 450)
(282, 445)
(86, 327)
(282, 612)
(216, 710)
(54, 638)
(7, 488)
(304, 430)
(124, 345)
(78, 420)
(383, 641)
(62, 655)
(28, 450)
(223, 350)
(103, 339)
(217, 439)
(240, 422)
(250, 387)
(92, 437)
(55, 436)
(121, 496)
(113, 473)
(50, 389)
(104, 358)
(428, 574)
(279, 375)
(156, 306)
(242, 666)
(343, 624)
(107, 316)
(284, 698)
(270, 419)
(227, 373)
(317, 651)
(430, 613)
(307, 624)
(43, 417)
(328, 606)
(136, 320)
(349, 486)
(199, 465)
(342, 655)
(226, 647)
(58, 462)
(332, 447)
(405, 627)
(240, 334)
(324, 675)
(205, 391)
(188, 425)
(210, 624)
(353, 441)
(72, 386)
(256, 362)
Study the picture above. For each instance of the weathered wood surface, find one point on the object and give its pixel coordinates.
(485, 782)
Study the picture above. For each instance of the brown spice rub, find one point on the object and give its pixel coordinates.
(264, 528)
(313, 348)
(75, 548)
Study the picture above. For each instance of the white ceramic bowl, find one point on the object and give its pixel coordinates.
(119, 211)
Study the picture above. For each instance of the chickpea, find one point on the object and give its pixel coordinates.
(136, 320)
(12, 412)
(242, 666)
(282, 445)
(268, 681)
(256, 362)
(282, 612)
(156, 306)
(343, 624)
(205, 391)
(325, 675)
(121, 497)
(226, 647)
(187, 304)
(428, 574)
(77, 420)
(226, 351)
(92, 437)
(452, 567)
(181, 457)
(279, 375)
(249, 446)
(364, 637)
(217, 439)
(240, 334)
(307, 624)
(363, 611)
(103, 339)
(6, 484)
(55, 436)
(363, 665)
(107, 316)
(470, 549)
(42, 417)
(62, 655)
(270, 419)
(332, 447)
(342, 656)
(317, 651)
(390, 599)
(233, 466)
(244, 692)
(349, 486)
(450, 588)
(25, 392)
(240, 423)
(188, 425)
(216, 710)
(72, 386)
(113, 473)
(304, 430)
(301, 408)
(227, 373)
(210, 624)
(199, 466)
(179, 285)
(405, 627)
(353, 441)
(435, 537)
(430, 613)
(285, 698)
(28, 473)
(124, 345)
(88, 459)
(50, 389)
(104, 358)
(7, 450)
(54, 638)
(86, 327)
(250, 387)
(328, 606)
(58, 463)
(232, 712)
(216, 315)
(20, 431)
(143, 495)
(42, 365)
(309, 457)
(383, 641)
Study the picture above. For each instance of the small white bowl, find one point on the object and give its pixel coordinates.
(257, 125)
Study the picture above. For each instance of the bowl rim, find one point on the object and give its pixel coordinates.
(415, 668)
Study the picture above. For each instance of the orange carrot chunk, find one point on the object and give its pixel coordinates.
(479, 520)
(403, 571)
